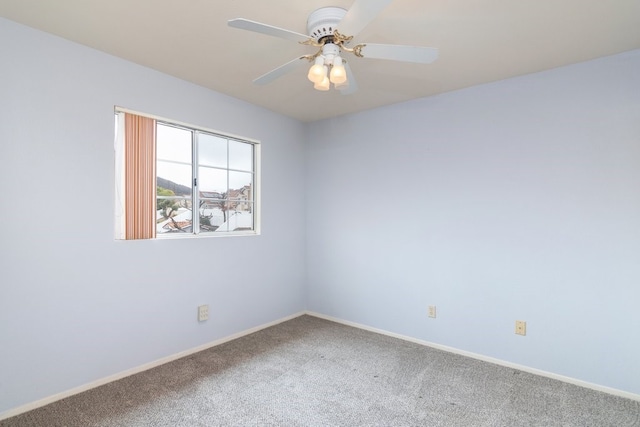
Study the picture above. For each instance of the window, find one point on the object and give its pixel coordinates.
(193, 170)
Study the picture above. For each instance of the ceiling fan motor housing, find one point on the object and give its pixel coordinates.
(324, 21)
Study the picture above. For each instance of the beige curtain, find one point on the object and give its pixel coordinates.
(139, 177)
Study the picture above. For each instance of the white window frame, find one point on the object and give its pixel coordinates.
(195, 233)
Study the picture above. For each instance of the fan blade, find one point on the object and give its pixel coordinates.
(280, 71)
(421, 55)
(351, 85)
(245, 24)
(361, 13)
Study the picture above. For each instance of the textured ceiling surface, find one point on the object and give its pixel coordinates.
(479, 41)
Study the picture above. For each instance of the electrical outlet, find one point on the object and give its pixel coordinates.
(432, 311)
(521, 327)
(203, 313)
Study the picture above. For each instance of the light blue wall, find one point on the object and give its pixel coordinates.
(513, 200)
(76, 305)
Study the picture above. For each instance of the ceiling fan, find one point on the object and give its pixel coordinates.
(331, 30)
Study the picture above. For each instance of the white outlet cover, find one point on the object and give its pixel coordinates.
(203, 313)
(432, 311)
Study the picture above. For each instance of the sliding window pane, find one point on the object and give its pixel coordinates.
(212, 180)
(240, 180)
(174, 177)
(212, 150)
(174, 199)
(173, 144)
(176, 218)
(240, 217)
(213, 215)
(241, 191)
(240, 155)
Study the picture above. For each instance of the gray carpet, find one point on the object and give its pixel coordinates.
(312, 372)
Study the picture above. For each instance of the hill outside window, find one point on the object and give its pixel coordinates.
(178, 180)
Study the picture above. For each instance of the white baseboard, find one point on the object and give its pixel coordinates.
(76, 390)
(574, 381)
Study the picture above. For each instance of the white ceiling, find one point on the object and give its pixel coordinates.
(479, 40)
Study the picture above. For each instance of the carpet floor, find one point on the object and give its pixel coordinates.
(313, 372)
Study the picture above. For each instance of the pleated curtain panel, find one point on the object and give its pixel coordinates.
(136, 170)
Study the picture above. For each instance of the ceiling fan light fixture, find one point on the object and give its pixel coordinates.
(318, 70)
(338, 74)
(324, 85)
(322, 32)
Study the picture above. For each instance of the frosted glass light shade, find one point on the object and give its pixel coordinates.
(323, 85)
(318, 70)
(338, 73)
